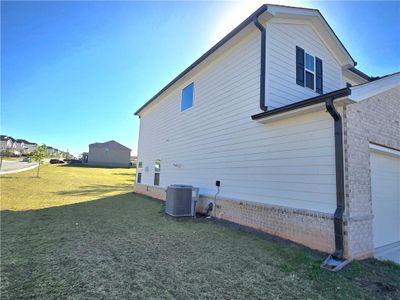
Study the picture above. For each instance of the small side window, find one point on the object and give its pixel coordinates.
(157, 170)
(310, 62)
(309, 71)
(139, 172)
(187, 97)
(156, 178)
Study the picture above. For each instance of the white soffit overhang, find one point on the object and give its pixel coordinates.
(302, 111)
(370, 89)
(320, 25)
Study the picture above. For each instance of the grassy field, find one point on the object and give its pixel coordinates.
(62, 185)
(112, 244)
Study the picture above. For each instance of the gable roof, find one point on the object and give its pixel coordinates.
(24, 141)
(6, 138)
(109, 144)
(272, 10)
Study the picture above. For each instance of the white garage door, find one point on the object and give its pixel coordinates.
(385, 188)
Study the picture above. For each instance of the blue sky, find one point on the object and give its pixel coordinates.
(73, 73)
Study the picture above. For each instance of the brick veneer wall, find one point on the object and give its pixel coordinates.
(151, 191)
(373, 120)
(313, 229)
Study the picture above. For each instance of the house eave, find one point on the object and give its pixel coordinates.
(302, 107)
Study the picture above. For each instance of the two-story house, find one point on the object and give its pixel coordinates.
(29, 147)
(303, 145)
(7, 143)
(19, 146)
(108, 154)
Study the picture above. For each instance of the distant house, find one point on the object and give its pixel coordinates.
(50, 150)
(19, 146)
(30, 147)
(16, 146)
(108, 154)
(25, 147)
(7, 143)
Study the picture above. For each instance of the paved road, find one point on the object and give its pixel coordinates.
(9, 165)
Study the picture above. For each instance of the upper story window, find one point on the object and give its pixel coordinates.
(187, 97)
(308, 70)
(309, 63)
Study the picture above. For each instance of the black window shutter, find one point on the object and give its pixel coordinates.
(318, 73)
(299, 66)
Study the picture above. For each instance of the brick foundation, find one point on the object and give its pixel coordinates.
(312, 229)
(151, 191)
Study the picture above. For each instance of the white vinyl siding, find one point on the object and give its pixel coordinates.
(282, 39)
(288, 162)
(109, 156)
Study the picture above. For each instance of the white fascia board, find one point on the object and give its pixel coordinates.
(384, 150)
(370, 89)
(301, 111)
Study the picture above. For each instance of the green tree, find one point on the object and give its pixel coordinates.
(38, 155)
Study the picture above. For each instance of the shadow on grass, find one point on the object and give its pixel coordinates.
(126, 174)
(95, 189)
(92, 166)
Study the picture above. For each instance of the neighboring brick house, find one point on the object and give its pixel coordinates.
(304, 145)
(108, 154)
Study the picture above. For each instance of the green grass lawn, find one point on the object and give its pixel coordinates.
(62, 185)
(79, 233)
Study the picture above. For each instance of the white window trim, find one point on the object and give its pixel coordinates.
(185, 86)
(312, 72)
